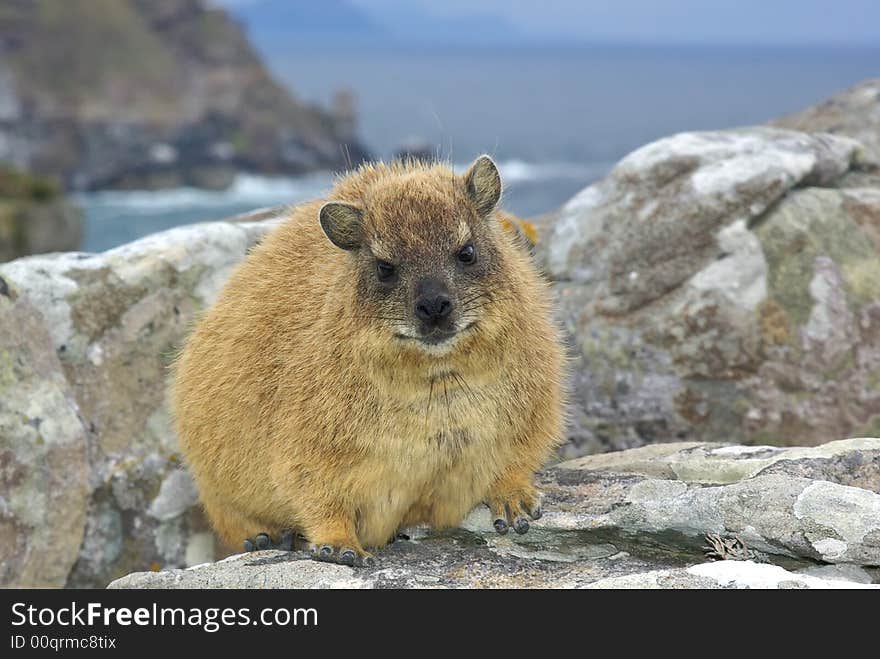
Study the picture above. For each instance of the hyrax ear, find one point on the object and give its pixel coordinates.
(483, 184)
(343, 224)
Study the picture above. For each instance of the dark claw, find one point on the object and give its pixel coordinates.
(263, 541)
(521, 525)
(347, 557)
(249, 545)
(500, 525)
(536, 513)
(325, 553)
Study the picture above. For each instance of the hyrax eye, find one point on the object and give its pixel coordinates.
(467, 254)
(384, 270)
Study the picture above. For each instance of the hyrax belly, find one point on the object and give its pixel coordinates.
(446, 478)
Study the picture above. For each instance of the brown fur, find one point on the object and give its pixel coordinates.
(297, 408)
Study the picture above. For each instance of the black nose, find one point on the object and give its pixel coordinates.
(433, 309)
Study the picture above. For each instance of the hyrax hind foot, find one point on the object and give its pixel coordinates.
(332, 538)
(286, 542)
(514, 508)
(341, 554)
(290, 541)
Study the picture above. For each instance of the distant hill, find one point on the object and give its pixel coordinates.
(134, 93)
(272, 20)
(276, 24)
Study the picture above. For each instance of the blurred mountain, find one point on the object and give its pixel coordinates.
(273, 20)
(276, 24)
(151, 93)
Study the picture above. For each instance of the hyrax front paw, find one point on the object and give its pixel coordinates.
(515, 509)
(342, 554)
(286, 542)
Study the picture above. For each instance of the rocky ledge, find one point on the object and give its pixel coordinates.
(682, 515)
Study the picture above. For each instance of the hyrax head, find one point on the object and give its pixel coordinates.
(424, 249)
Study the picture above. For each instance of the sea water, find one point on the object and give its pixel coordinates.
(555, 119)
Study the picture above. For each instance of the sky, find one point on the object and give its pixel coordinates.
(781, 22)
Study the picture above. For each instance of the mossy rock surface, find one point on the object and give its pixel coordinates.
(89, 468)
(643, 518)
(722, 282)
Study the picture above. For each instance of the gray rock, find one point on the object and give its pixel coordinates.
(634, 519)
(853, 573)
(280, 570)
(755, 493)
(44, 468)
(176, 495)
(91, 485)
(713, 286)
(727, 574)
(854, 113)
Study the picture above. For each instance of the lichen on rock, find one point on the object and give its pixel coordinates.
(93, 484)
(716, 284)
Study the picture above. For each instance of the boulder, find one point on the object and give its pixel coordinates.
(854, 113)
(91, 485)
(642, 518)
(714, 285)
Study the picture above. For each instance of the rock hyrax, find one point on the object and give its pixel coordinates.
(383, 359)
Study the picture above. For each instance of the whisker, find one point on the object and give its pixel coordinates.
(448, 412)
(428, 407)
(467, 390)
(472, 298)
(389, 318)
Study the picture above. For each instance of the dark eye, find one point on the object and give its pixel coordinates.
(467, 254)
(384, 270)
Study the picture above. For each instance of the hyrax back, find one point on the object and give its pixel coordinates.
(381, 360)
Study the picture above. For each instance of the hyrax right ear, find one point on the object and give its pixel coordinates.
(343, 224)
(483, 184)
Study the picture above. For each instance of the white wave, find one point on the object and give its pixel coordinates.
(518, 171)
(247, 189)
(258, 191)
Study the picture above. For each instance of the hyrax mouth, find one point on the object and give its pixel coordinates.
(434, 338)
(437, 337)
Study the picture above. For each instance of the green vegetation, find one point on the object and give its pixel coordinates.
(15, 184)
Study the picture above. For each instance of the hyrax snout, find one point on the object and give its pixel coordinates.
(385, 358)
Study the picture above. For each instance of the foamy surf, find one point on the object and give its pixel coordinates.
(250, 189)
(247, 189)
(114, 217)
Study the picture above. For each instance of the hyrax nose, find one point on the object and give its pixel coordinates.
(434, 308)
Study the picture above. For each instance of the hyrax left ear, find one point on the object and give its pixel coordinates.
(483, 184)
(343, 224)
